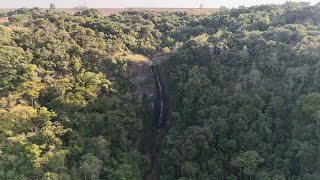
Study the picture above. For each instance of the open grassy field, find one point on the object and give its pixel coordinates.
(108, 11)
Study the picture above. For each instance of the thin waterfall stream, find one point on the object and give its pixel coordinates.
(160, 97)
(159, 125)
(160, 120)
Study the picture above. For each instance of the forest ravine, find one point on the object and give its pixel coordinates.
(241, 91)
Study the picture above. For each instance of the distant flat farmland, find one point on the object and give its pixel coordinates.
(108, 11)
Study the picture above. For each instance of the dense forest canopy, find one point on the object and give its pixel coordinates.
(242, 89)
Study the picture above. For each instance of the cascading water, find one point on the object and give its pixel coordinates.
(161, 98)
(160, 120)
(156, 136)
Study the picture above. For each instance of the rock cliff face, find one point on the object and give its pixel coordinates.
(140, 76)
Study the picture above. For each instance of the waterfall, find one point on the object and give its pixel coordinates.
(160, 93)
(160, 120)
(159, 125)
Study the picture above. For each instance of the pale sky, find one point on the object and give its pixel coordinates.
(138, 3)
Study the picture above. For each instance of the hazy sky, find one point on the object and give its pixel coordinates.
(138, 3)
